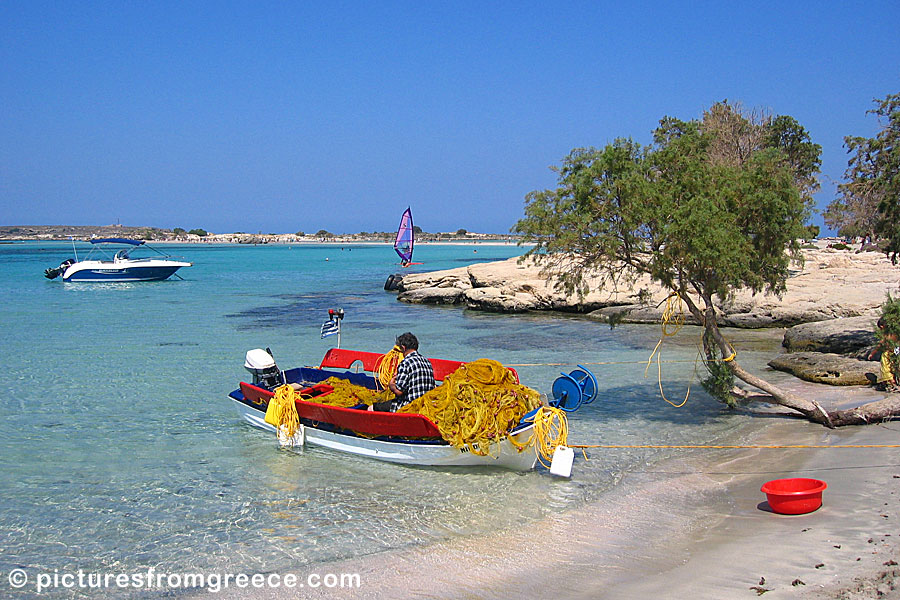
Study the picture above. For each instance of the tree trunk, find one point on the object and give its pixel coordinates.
(808, 408)
(873, 412)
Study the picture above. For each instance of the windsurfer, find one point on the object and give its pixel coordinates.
(406, 238)
(415, 376)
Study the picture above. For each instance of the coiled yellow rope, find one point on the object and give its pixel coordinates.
(672, 322)
(282, 412)
(386, 367)
(551, 429)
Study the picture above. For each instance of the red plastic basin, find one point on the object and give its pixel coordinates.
(794, 496)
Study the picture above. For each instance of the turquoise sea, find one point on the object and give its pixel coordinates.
(120, 449)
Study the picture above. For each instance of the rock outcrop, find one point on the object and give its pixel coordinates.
(850, 336)
(831, 369)
(831, 284)
(829, 308)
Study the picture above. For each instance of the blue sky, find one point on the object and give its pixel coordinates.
(289, 116)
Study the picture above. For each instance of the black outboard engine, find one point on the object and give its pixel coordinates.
(262, 366)
(53, 273)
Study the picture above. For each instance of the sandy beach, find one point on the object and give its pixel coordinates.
(692, 526)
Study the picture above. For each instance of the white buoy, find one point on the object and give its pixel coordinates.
(561, 464)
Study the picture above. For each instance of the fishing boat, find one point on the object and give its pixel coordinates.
(406, 239)
(404, 438)
(112, 260)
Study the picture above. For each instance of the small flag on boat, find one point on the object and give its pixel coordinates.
(330, 328)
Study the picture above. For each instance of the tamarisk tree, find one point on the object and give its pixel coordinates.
(711, 206)
(869, 199)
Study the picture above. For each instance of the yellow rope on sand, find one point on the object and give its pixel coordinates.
(282, 412)
(738, 447)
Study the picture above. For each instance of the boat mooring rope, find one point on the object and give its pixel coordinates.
(551, 429)
(734, 446)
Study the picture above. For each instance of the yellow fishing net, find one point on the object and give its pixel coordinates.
(476, 405)
(346, 394)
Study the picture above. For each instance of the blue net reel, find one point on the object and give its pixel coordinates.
(570, 391)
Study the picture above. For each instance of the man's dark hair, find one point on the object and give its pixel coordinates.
(408, 340)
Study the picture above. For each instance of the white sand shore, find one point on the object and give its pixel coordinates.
(694, 526)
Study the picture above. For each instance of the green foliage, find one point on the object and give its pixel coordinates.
(300, 234)
(888, 331)
(801, 156)
(711, 206)
(869, 200)
(720, 381)
(178, 231)
(461, 232)
(812, 232)
(853, 215)
(324, 234)
(200, 232)
(890, 319)
(839, 246)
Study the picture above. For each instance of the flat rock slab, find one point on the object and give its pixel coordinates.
(831, 369)
(848, 335)
(434, 295)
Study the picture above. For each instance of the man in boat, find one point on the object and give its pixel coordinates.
(415, 375)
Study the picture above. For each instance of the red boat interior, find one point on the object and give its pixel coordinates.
(359, 421)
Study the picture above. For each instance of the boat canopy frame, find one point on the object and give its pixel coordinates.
(122, 254)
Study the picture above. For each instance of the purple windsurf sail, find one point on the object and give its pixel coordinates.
(403, 245)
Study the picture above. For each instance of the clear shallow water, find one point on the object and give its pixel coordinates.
(120, 449)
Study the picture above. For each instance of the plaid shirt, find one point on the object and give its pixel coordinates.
(415, 376)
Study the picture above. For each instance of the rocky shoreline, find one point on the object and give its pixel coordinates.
(828, 310)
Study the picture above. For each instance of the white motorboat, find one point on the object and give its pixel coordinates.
(112, 259)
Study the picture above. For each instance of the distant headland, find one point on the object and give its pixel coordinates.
(86, 232)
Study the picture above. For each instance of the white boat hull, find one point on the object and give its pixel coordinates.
(503, 454)
(154, 269)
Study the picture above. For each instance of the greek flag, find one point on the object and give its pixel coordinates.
(330, 328)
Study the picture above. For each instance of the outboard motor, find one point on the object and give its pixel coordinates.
(262, 366)
(53, 273)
